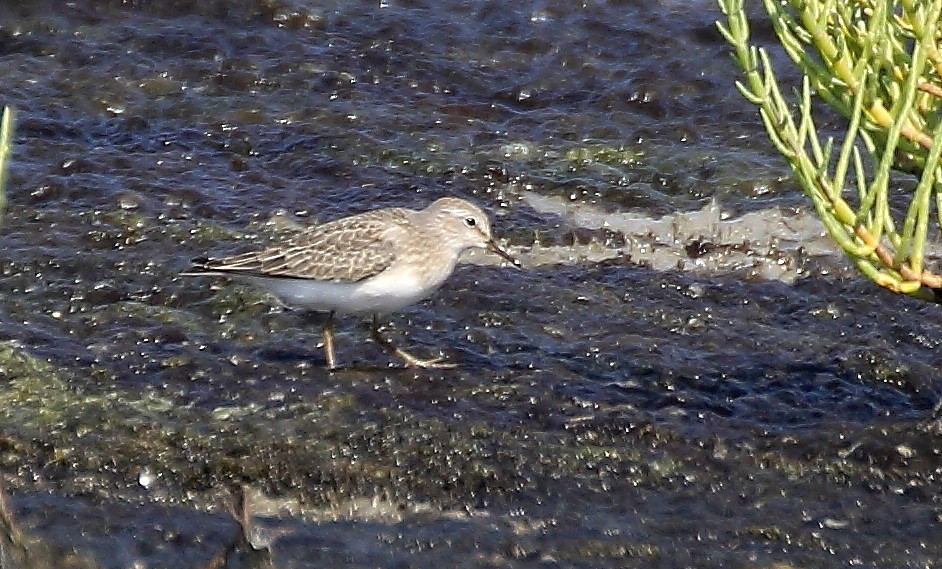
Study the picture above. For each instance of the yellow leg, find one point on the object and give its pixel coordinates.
(405, 356)
(329, 342)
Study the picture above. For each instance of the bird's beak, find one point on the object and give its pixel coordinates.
(504, 254)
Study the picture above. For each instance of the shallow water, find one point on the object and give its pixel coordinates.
(686, 373)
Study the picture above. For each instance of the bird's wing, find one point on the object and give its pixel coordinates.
(350, 249)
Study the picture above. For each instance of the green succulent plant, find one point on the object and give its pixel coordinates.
(878, 64)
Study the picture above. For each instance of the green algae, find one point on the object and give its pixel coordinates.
(604, 154)
(37, 397)
(611, 549)
(112, 431)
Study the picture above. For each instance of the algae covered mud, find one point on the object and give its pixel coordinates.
(686, 373)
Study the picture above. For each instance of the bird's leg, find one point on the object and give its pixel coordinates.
(329, 341)
(405, 356)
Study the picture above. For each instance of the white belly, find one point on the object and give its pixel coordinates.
(382, 294)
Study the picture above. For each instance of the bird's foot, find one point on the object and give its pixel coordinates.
(409, 359)
(433, 363)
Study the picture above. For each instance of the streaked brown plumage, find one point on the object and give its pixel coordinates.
(370, 263)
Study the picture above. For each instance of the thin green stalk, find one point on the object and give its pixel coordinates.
(6, 150)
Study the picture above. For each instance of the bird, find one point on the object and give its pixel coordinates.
(371, 263)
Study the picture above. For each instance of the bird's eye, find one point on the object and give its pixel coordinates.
(470, 221)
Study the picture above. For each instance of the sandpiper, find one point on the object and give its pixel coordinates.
(374, 263)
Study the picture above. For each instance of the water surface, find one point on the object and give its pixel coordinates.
(686, 374)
